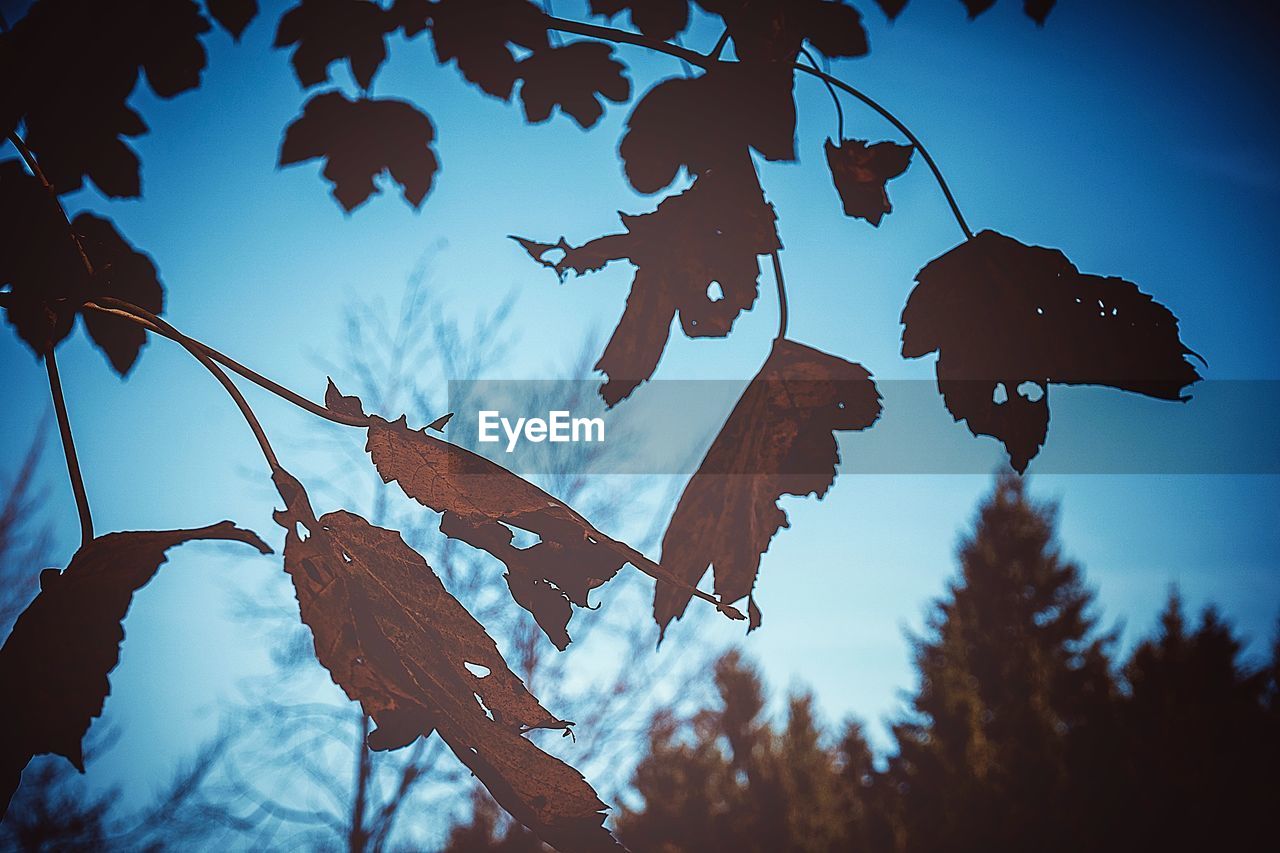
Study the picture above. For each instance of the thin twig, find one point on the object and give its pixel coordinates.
(34, 166)
(835, 99)
(69, 449)
(782, 296)
(719, 48)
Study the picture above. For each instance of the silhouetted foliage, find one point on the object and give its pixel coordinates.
(860, 172)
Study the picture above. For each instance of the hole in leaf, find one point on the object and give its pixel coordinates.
(483, 706)
(1000, 394)
(1031, 391)
(478, 670)
(715, 292)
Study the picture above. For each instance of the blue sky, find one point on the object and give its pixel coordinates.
(1141, 141)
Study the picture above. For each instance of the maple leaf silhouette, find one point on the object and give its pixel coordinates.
(55, 662)
(48, 280)
(571, 77)
(478, 35)
(709, 234)
(658, 19)
(1001, 314)
(860, 172)
(79, 61)
(395, 640)
(708, 122)
(772, 31)
(362, 139)
(326, 31)
(778, 440)
(233, 15)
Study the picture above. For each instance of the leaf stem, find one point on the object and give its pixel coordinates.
(617, 36)
(69, 449)
(835, 99)
(782, 296)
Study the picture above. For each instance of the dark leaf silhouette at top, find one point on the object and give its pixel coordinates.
(47, 278)
(233, 15)
(394, 639)
(79, 61)
(709, 122)
(891, 8)
(1001, 314)
(1037, 10)
(772, 31)
(777, 441)
(571, 77)
(54, 664)
(860, 172)
(360, 140)
(710, 233)
(326, 31)
(658, 19)
(478, 35)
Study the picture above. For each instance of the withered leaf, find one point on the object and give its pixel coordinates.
(48, 281)
(79, 61)
(777, 441)
(233, 15)
(772, 31)
(394, 639)
(658, 19)
(55, 662)
(478, 35)
(1007, 320)
(572, 77)
(360, 140)
(709, 122)
(709, 234)
(860, 172)
(326, 31)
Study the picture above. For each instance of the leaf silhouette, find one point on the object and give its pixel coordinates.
(1037, 10)
(48, 281)
(79, 61)
(121, 271)
(54, 664)
(772, 31)
(394, 639)
(778, 440)
(658, 19)
(571, 77)
(233, 15)
(709, 122)
(891, 8)
(478, 34)
(326, 31)
(860, 172)
(710, 233)
(1001, 314)
(362, 139)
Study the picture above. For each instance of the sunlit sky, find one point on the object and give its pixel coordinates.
(1141, 141)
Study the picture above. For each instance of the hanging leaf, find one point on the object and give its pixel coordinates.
(778, 440)
(860, 172)
(395, 640)
(571, 77)
(55, 662)
(1037, 10)
(977, 7)
(662, 20)
(327, 31)
(79, 61)
(710, 234)
(1007, 320)
(891, 8)
(360, 140)
(483, 503)
(709, 122)
(233, 15)
(478, 35)
(772, 31)
(47, 278)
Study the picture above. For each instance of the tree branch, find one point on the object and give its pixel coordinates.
(69, 449)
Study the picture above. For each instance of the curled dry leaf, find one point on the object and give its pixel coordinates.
(657, 19)
(395, 640)
(695, 257)
(55, 662)
(860, 172)
(572, 77)
(360, 140)
(777, 441)
(327, 31)
(482, 502)
(1007, 320)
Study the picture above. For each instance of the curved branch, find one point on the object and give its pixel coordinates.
(69, 449)
(782, 296)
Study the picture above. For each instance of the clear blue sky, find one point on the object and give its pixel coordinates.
(1140, 140)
